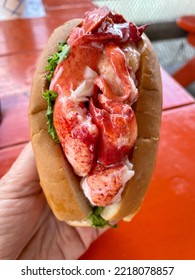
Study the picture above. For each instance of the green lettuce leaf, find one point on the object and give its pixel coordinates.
(64, 50)
(50, 97)
(56, 58)
(97, 220)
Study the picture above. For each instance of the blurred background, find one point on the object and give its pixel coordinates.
(12, 9)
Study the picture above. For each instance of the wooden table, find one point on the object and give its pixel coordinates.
(165, 226)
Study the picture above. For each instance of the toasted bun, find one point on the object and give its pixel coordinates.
(60, 184)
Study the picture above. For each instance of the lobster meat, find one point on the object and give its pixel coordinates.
(93, 118)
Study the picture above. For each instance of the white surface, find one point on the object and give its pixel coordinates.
(11, 9)
(150, 10)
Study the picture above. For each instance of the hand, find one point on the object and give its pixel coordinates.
(28, 228)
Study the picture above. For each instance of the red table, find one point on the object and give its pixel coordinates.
(165, 226)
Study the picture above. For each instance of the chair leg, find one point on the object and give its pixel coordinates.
(186, 74)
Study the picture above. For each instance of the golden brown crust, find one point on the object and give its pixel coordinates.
(148, 115)
(59, 183)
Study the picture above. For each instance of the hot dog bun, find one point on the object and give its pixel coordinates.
(59, 183)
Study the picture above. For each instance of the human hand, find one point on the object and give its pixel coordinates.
(28, 228)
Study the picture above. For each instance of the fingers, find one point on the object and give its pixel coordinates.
(89, 234)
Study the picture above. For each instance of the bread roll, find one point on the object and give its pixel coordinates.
(60, 184)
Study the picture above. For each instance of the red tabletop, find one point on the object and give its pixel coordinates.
(174, 95)
(165, 226)
(187, 23)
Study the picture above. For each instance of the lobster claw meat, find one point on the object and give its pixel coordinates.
(117, 130)
(94, 18)
(118, 61)
(121, 79)
(101, 25)
(104, 185)
(136, 32)
(92, 21)
(77, 134)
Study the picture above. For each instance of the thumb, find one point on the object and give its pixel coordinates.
(22, 175)
(21, 205)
